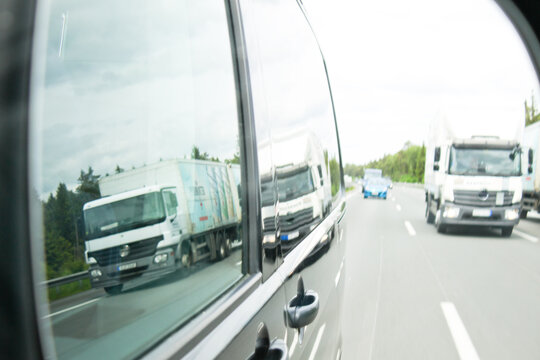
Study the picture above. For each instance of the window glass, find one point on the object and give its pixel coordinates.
(137, 167)
(303, 143)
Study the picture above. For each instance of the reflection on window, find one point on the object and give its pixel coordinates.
(141, 96)
(302, 143)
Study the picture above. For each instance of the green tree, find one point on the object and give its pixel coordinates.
(88, 183)
(531, 112)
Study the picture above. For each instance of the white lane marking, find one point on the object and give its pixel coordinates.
(393, 198)
(461, 338)
(525, 236)
(398, 207)
(71, 308)
(239, 263)
(293, 344)
(410, 228)
(317, 342)
(378, 300)
(338, 276)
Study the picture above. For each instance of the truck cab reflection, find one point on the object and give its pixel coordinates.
(302, 188)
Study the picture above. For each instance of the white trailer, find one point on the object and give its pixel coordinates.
(473, 174)
(154, 218)
(531, 180)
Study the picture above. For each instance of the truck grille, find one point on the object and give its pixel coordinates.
(481, 198)
(137, 250)
(293, 221)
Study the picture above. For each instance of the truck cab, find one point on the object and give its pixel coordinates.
(474, 181)
(131, 234)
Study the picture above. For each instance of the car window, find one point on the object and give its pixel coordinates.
(137, 168)
(299, 157)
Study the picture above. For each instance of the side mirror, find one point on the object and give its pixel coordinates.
(530, 157)
(436, 167)
(529, 169)
(437, 154)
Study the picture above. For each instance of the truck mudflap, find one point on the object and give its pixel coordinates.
(148, 267)
(503, 216)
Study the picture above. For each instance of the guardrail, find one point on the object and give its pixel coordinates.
(68, 279)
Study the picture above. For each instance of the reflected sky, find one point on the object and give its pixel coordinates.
(133, 89)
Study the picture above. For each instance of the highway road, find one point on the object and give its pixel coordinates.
(412, 293)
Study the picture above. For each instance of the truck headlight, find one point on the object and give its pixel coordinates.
(95, 273)
(511, 214)
(451, 212)
(160, 258)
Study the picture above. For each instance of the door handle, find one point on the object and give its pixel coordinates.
(277, 350)
(303, 308)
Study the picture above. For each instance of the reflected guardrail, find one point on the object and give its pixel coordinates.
(68, 279)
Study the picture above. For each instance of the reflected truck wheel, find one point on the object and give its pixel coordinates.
(227, 245)
(222, 251)
(114, 290)
(187, 255)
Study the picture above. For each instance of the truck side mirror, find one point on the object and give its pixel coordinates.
(436, 167)
(529, 169)
(530, 157)
(437, 155)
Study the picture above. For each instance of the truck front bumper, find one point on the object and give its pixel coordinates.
(122, 272)
(500, 216)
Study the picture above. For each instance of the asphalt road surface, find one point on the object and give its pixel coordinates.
(412, 293)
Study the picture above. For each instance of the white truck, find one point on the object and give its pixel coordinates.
(531, 180)
(302, 179)
(473, 175)
(154, 218)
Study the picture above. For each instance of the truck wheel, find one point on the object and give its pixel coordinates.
(441, 229)
(507, 231)
(430, 218)
(222, 251)
(114, 290)
(523, 214)
(227, 244)
(187, 259)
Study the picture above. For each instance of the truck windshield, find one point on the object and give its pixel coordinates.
(295, 184)
(487, 162)
(123, 215)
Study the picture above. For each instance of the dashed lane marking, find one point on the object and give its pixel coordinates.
(410, 228)
(526, 236)
(459, 333)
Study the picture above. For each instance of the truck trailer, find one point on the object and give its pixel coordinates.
(153, 219)
(473, 177)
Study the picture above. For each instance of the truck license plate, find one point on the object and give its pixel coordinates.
(481, 212)
(127, 266)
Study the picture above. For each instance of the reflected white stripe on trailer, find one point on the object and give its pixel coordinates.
(398, 207)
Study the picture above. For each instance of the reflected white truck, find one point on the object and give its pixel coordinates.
(152, 219)
(303, 183)
(473, 174)
(531, 180)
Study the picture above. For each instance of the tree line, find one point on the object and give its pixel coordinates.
(407, 165)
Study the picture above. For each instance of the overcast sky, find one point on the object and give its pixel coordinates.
(395, 65)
